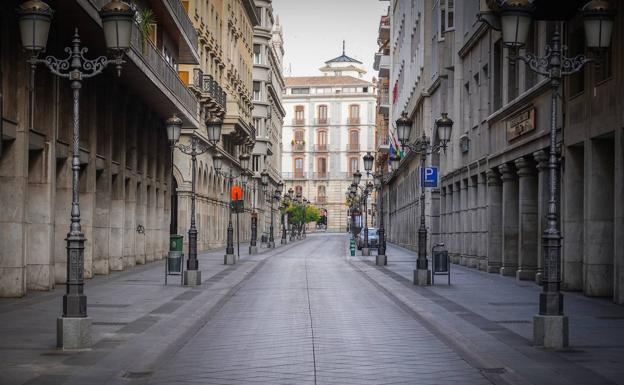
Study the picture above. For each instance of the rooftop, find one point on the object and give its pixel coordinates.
(324, 81)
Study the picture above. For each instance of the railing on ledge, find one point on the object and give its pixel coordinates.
(353, 120)
(206, 84)
(321, 199)
(185, 21)
(353, 147)
(321, 121)
(321, 148)
(294, 175)
(320, 175)
(298, 122)
(298, 146)
(163, 70)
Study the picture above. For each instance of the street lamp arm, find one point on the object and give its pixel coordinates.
(537, 64)
(423, 146)
(57, 66)
(571, 65)
(196, 147)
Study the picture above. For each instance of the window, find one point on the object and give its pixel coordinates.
(324, 90)
(298, 190)
(255, 163)
(322, 114)
(349, 90)
(321, 139)
(321, 166)
(299, 136)
(446, 13)
(257, 54)
(354, 111)
(299, 114)
(353, 165)
(299, 167)
(300, 90)
(512, 79)
(257, 92)
(321, 191)
(354, 137)
(498, 71)
(576, 47)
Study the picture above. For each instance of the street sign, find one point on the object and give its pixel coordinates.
(430, 176)
(237, 206)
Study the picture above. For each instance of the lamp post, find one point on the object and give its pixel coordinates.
(550, 326)
(230, 258)
(35, 17)
(285, 202)
(253, 248)
(381, 259)
(423, 147)
(196, 147)
(270, 196)
(305, 216)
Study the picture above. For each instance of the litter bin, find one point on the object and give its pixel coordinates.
(175, 242)
(441, 265)
(174, 262)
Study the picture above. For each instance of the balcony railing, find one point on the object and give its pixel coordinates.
(321, 175)
(321, 199)
(162, 70)
(353, 147)
(294, 175)
(298, 122)
(353, 120)
(298, 147)
(321, 121)
(321, 148)
(207, 85)
(185, 21)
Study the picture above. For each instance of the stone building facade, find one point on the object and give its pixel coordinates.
(222, 83)
(329, 126)
(125, 160)
(494, 183)
(268, 113)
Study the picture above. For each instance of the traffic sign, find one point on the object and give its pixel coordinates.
(430, 176)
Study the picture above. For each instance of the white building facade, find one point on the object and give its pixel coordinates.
(328, 128)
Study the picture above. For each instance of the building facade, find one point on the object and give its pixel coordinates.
(222, 83)
(329, 126)
(494, 178)
(268, 112)
(125, 159)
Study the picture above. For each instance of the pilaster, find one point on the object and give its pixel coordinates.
(510, 219)
(528, 220)
(495, 221)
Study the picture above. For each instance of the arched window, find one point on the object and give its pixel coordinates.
(354, 114)
(354, 140)
(299, 115)
(298, 168)
(322, 114)
(321, 167)
(321, 140)
(298, 190)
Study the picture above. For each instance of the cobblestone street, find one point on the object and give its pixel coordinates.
(308, 313)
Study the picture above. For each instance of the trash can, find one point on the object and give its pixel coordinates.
(174, 262)
(175, 242)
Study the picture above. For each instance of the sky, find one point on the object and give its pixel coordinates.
(314, 30)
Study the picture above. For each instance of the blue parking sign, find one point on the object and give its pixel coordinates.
(430, 176)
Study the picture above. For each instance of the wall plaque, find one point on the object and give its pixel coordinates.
(520, 124)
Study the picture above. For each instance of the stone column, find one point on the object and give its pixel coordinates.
(510, 220)
(495, 222)
(443, 215)
(472, 223)
(541, 157)
(456, 224)
(528, 220)
(118, 191)
(483, 222)
(464, 222)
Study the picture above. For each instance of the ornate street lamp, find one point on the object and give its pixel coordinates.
(368, 162)
(357, 176)
(213, 128)
(35, 17)
(395, 160)
(550, 326)
(515, 21)
(423, 147)
(381, 248)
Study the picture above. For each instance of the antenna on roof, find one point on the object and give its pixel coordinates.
(343, 47)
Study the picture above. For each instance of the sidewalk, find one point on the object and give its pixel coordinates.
(494, 314)
(136, 321)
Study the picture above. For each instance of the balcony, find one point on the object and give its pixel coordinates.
(382, 143)
(298, 146)
(321, 148)
(298, 175)
(321, 199)
(383, 101)
(353, 147)
(384, 28)
(320, 175)
(210, 92)
(298, 122)
(353, 120)
(150, 61)
(382, 64)
(321, 121)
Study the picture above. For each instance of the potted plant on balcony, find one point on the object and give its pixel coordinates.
(146, 20)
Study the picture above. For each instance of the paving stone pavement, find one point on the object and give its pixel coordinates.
(307, 313)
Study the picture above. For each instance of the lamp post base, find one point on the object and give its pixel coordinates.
(271, 245)
(422, 277)
(381, 260)
(192, 277)
(538, 278)
(253, 250)
(551, 331)
(73, 333)
(365, 251)
(283, 241)
(229, 259)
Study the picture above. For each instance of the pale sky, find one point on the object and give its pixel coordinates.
(314, 30)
